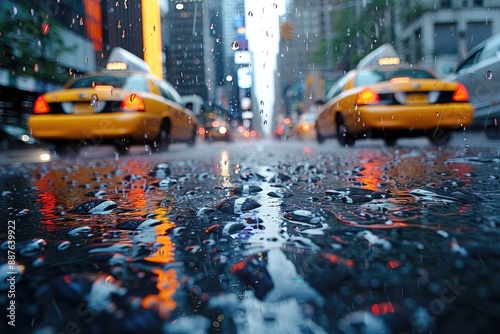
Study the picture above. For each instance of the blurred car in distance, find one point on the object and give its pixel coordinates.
(215, 124)
(123, 104)
(218, 129)
(305, 128)
(383, 99)
(479, 72)
(282, 128)
(12, 137)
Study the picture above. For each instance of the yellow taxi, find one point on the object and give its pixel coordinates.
(123, 104)
(382, 98)
(305, 128)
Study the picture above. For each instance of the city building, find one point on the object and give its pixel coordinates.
(305, 28)
(431, 33)
(194, 52)
(436, 34)
(44, 43)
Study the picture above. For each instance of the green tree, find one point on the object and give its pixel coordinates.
(359, 30)
(31, 43)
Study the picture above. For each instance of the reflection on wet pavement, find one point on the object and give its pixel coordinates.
(256, 240)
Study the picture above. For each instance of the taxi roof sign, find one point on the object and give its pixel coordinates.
(383, 55)
(116, 66)
(389, 61)
(121, 59)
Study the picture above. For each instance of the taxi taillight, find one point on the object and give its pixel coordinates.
(41, 106)
(461, 94)
(133, 102)
(367, 96)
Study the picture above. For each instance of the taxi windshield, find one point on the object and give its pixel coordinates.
(130, 82)
(374, 76)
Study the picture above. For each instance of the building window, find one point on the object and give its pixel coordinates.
(446, 41)
(445, 3)
(478, 3)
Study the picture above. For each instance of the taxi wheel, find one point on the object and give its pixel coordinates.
(439, 136)
(492, 132)
(390, 140)
(344, 137)
(66, 149)
(121, 148)
(319, 137)
(162, 141)
(192, 140)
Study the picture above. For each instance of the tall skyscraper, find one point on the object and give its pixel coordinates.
(194, 50)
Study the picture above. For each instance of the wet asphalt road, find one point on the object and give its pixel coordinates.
(249, 237)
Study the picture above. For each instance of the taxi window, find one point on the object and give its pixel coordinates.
(471, 60)
(168, 91)
(374, 76)
(131, 82)
(491, 49)
(337, 88)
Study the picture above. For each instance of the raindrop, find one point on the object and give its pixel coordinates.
(86, 60)
(261, 103)
(119, 24)
(212, 26)
(36, 68)
(356, 106)
(13, 10)
(250, 14)
(261, 111)
(275, 5)
(93, 100)
(132, 97)
(437, 113)
(45, 28)
(93, 84)
(489, 74)
(265, 122)
(123, 33)
(63, 245)
(235, 45)
(81, 21)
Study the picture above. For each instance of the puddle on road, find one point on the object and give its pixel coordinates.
(245, 244)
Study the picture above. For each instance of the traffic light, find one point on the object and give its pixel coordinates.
(287, 31)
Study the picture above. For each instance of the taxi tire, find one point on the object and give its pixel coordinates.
(121, 148)
(439, 136)
(319, 137)
(192, 140)
(343, 136)
(67, 148)
(390, 141)
(162, 141)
